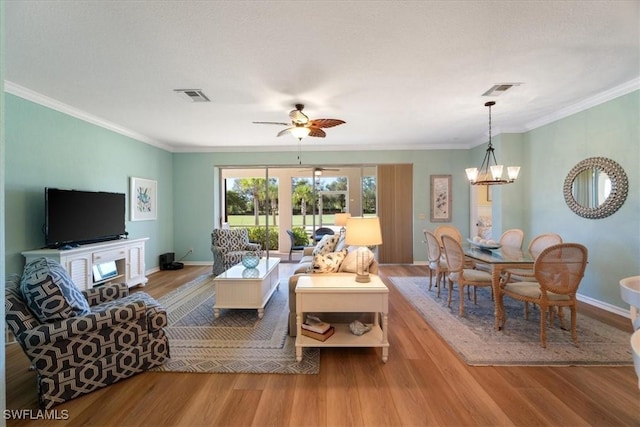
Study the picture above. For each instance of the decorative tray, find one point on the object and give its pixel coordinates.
(484, 245)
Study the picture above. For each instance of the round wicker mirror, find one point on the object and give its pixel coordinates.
(596, 188)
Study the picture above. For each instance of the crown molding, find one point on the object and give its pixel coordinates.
(585, 104)
(48, 102)
(45, 101)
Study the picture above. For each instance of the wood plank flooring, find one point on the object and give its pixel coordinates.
(424, 383)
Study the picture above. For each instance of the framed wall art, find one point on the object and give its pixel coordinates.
(440, 198)
(144, 199)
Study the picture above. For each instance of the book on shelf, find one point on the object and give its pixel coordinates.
(315, 325)
(317, 336)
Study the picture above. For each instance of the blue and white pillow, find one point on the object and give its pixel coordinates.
(328, 263)
(326, 245)
(50, 293)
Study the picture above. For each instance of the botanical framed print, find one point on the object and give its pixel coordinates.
(144, 199)
(440, 198)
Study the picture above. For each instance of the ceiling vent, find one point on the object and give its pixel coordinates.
(192, 95)
(499, 89)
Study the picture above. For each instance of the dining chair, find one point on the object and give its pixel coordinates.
(536, 246)
(447, 230)
(512, 238)
(464, 277)
(436, 263)
(558, 272)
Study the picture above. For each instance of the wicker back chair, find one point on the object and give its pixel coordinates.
(542, 242)
(447, 230)
(536, 246)
(512, 238)
(558, 271)
(437, 264)
(464, 277)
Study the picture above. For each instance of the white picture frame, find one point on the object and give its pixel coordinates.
(143, 199)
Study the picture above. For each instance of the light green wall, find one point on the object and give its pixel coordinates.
(47, 148)
(196, 178)
(608, 130)
(3, 390)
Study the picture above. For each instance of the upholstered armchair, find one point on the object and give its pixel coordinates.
(120, 336)
(228, 247)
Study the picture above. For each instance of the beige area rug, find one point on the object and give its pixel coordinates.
(474, 338)
(237, 341)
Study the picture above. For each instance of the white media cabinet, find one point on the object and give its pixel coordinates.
(128, 254)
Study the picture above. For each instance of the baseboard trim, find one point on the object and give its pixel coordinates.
(604, 306)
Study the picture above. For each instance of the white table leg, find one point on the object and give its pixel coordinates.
(298, 333)
(260, 313)
(385, 342)
(216, 312)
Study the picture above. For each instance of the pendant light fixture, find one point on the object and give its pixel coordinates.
(490, 172)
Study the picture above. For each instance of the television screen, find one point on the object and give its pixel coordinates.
(83, 216)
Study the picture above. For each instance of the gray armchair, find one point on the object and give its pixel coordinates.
(228, 247)
(121, 336)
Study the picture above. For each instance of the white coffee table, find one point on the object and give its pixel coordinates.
(240, 287)
(318, 293)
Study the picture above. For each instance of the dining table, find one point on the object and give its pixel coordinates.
(499, 259)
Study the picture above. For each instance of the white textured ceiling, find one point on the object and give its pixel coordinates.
(401, 74)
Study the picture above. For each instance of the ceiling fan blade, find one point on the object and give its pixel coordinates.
(284, 132)
(273, 123)
(326, 123)
(318, 133)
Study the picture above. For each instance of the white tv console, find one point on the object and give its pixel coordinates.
(128, 255)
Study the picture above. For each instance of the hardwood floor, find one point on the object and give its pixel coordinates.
(423, 383)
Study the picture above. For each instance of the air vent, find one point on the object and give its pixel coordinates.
(500, 88)
(193, 95)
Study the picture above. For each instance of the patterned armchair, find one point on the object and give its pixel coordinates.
(228, 247)
(121, 336)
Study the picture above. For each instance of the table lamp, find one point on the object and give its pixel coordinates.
(341, 220)
(363, 232)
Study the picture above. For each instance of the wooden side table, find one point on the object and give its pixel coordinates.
(319, 293)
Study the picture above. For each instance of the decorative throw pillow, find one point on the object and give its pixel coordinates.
(350, 263)
(326, 245)
(328, 263)
(50, 293)
(342, 244)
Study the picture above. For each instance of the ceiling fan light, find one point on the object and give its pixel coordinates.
(513, 172)
(300, 132)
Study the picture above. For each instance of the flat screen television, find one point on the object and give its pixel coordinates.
(77, 217)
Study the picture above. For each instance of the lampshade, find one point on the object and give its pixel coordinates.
(488, 173)
(300, 131)
(341, 218)
(363, 231)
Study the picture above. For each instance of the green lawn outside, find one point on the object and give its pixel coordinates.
(249, 220)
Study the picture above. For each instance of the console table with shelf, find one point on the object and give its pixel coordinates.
(128, 255)
(317, 293)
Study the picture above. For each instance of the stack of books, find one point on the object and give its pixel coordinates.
(317, 329)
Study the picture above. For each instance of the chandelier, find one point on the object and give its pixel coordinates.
(491, 174)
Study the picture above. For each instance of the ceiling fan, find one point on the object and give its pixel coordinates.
(318, 171)
(301, 126)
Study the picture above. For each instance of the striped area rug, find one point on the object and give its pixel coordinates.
(476, 341)
(237, 341)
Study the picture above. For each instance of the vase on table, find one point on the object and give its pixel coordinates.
(250, 260)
